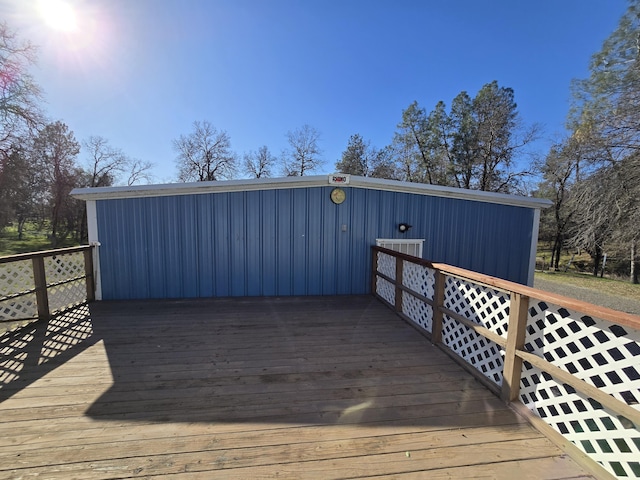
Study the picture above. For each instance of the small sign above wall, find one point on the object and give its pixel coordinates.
(339, 179)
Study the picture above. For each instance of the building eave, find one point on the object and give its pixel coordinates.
(172, 189)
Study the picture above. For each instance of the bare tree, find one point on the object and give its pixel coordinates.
(19, 94)
(593, 225)
(205, 154)
(20, 116)
(303, 155)
(54, 151)
(624, 205)
(605, 114)
(607, 205)
(107, 165)
(20, 188)
(259, 164)
(560, 171)
(139, 172)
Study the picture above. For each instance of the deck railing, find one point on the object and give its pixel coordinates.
(40, 284)
(573, 368)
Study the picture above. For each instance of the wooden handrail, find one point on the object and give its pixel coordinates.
(513, 343)
(520, 294)
(614, 316)
(40, 282)
(603, 398)
(44, 253)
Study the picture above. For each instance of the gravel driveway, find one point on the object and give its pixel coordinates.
(624, 304)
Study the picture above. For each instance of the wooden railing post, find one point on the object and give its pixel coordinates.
(40, 281)
(88, 272)
(374, 271)
(516, 334)
(438, 303)
(398, 294)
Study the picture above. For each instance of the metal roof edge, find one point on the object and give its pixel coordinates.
(170, 189)
(449, 192)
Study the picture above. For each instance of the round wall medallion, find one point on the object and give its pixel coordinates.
(338, 196)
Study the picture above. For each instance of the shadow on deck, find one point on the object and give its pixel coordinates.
(313, 387)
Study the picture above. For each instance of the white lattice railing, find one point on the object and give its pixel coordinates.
(40, 284)
(573, 367)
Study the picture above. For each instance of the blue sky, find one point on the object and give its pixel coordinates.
(139, 72)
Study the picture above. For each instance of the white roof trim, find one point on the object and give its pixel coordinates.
(108, 193)
(450, 192)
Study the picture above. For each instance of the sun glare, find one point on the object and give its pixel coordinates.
(58, 14)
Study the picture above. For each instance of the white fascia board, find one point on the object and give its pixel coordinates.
(449, 192)
(195, 188)
(104, 193)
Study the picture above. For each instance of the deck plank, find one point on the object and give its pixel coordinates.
(335, 387)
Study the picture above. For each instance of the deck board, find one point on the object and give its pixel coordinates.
(315, 387)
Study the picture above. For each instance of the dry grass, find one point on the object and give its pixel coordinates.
(604, 285)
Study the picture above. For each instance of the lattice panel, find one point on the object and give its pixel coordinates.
(20, 308)
(387, 265)
(599, 352)
(484, 306)
(63, 267)
(386, 290)
(418, 311)
(607, 438)
(67, 295)
(486, 356)
(419, 278)
(16, 277)
(480, 304)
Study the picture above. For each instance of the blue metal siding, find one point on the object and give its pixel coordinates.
(269, 261)
(238, 242)
(283, 247)
(291, 241)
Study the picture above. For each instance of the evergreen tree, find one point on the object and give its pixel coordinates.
(474, 145)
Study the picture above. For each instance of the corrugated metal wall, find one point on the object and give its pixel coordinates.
(291, 241)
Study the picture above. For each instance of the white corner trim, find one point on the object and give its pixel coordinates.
(535, 230)
(92, 230)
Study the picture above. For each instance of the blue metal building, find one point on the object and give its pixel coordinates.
(287, 237)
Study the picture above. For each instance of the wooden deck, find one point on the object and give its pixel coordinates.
(316, 387)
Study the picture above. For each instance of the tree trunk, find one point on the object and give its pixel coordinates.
(558, 252)
(21, 222)
(634, 264)
(597, 258)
